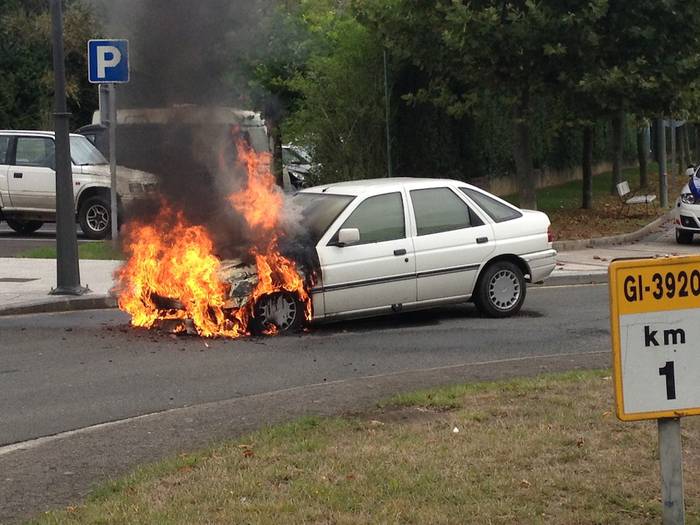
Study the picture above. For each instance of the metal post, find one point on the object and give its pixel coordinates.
(671, 457)
(661, 153)
(674, 160)
(390, 171)
(67, 269)
(113, 161)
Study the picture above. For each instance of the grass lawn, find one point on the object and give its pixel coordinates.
(89, 250)
(563, 205)
(546, 450)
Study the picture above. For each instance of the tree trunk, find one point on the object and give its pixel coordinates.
(642, 151)
(686, 146)
(617, 151)
(587, 169)
(522, 154)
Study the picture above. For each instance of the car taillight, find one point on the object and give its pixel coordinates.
(550, 235)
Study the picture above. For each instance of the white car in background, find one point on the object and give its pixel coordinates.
(28, 183)
(397, 244)
(687, 216)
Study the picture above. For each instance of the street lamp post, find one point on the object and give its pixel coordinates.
(67, 269)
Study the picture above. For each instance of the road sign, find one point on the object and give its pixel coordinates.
(655, 316)
(108, 61)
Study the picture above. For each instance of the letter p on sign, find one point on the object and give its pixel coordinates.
(108, 61)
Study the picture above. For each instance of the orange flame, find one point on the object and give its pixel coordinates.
(170, 259)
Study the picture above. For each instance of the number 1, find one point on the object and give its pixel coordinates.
(667, 371)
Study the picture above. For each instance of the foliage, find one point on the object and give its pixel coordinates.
(331, 86)
(26, 83)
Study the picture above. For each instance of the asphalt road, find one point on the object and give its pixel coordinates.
(65, 372)
(12, 243)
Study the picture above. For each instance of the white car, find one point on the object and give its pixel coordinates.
(397, 244)
(686, 216)
(28, 183)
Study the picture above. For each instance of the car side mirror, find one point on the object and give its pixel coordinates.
(348, 236)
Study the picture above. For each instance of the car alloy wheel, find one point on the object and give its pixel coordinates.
(97, 217)
(500, 291)
(281, 310)
(94, 217)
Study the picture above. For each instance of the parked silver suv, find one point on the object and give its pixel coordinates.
(28, 183)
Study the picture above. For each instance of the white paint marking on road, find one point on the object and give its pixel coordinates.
(37, 442)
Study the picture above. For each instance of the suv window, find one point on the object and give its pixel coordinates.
(497, 210)
(4, 146)
(379, 218)
(440, 210)
(35, 151)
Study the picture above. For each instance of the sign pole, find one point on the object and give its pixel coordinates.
(671, 458)
(113, 161)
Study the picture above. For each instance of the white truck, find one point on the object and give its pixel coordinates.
(28, 183)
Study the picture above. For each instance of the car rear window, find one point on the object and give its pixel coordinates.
(495, 209)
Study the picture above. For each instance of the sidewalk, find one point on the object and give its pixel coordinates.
(25, 283)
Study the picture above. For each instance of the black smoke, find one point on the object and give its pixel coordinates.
(184, 54)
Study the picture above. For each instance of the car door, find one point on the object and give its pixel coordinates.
(31, 178)
(451, 242)
(377, 272)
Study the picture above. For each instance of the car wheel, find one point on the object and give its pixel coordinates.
(684, 236)
(277, 312)
(94, 217)
(501, 290)
(24, 227)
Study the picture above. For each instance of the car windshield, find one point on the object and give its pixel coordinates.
(289, 156)
(83, 152)
(319, 210)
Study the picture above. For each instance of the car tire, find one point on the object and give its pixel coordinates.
(24, 227)
(500, 291)
(283, 310)
(684, 236)
(94, 217)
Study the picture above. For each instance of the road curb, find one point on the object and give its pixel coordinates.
(600, 277)
(69, 304)
(580, 244)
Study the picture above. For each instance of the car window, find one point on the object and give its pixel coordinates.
(497, 210)
(35, 151)
(440, 210)
(379, 218)
(4, 146)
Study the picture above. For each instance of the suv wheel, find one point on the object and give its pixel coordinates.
(24, 227)
(684, 236)
(94, 217)
(277, 312)
(501, 290)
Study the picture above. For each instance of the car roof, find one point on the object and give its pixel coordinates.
(360, 187)
(32, 133)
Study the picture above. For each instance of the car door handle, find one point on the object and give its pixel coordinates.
(402, 251)
(482, 240)
(18, 175)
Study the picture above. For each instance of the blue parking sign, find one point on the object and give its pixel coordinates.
(108, 61)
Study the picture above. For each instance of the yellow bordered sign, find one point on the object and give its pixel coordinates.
(655, 326)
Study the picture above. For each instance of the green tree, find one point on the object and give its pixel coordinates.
(26, 84)
(327, 78)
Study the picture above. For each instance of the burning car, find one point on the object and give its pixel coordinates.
(364, 248)
(389, 245)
